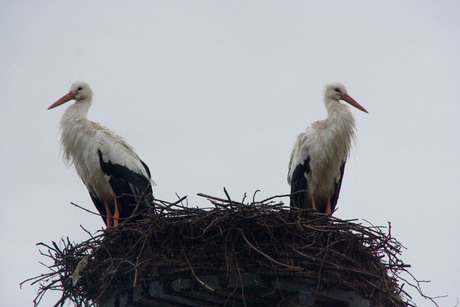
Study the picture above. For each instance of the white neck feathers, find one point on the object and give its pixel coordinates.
(76, 128)
(340, 126)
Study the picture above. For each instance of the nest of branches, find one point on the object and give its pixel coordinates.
(230, 238)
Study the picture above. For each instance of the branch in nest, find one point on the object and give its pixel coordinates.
(176, 241)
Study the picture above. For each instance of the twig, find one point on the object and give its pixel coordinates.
(202, 283)
(84, 209)
(265, 255)
(264, 237)
(217, 198)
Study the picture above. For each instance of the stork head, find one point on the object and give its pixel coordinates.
(337, 91)
(79, 91)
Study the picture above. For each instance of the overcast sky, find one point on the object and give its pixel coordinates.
(214, 93)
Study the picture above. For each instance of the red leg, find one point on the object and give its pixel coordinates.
(116, 214)
(328, 206)
(109, 219)
(313, 204)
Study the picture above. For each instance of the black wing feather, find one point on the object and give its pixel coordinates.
(335, 196)
(127, 185)
(100, 207)
(299, 186)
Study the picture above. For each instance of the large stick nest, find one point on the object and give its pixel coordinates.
(231, 238)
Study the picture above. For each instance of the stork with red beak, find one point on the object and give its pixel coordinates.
(319, 155)
(117, 180)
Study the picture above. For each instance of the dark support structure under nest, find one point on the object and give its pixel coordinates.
(259, 290)
(234, 254)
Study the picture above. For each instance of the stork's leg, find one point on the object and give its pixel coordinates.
(328, 206)
(108, 218)
(313, 204)
(116, 214)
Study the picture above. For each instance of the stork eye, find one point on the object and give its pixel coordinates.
(79, 88)
(337, 90)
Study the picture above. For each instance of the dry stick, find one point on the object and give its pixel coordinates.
(143, 197)
(237, 271)
(180, 200)
(84, 229)
(227, 212)
(202, 283)
(105, 287)
(267, 256)
(228, 197)
(137, 262)
(321, 269)
(419, 288)
(276, 196)
(219, 199)
(89, 211)
(169, 205)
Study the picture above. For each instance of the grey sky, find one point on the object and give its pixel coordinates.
(214, 93)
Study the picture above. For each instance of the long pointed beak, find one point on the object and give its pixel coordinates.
(353, 102)
(62, 100)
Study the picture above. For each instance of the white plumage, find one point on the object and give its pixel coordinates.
(318, 158)
(109, 167)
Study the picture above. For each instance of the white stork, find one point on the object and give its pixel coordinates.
(318, 158)
(115, 176)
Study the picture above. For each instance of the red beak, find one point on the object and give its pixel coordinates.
(62, 100)
(351, 101)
